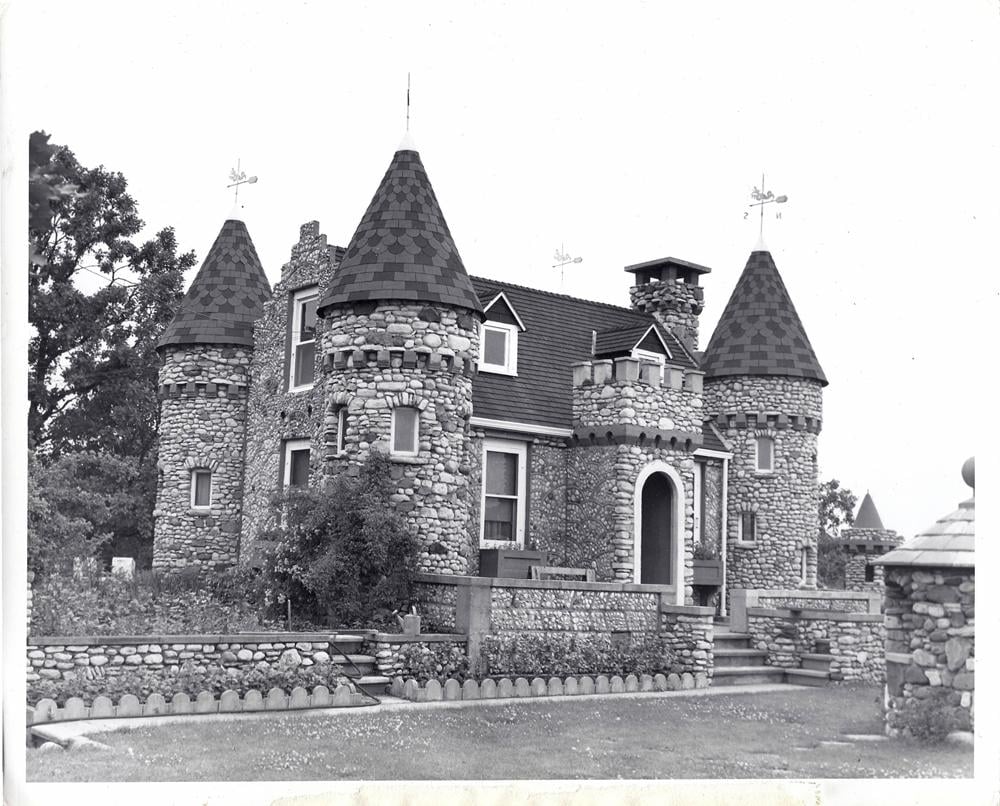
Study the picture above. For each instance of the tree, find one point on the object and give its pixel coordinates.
(97, 301)
(343, 554)
(836, 510)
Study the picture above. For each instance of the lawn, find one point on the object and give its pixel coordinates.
(798, 733)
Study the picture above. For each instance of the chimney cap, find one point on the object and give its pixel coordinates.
(665, 262)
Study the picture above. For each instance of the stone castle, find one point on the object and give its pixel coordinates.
(514, 418)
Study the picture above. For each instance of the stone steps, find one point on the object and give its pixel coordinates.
(747, 675)
(817, 662)
(374, 684)
(731, 640)
(806, 677)
(739, 657)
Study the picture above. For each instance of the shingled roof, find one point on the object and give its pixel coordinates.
(402, 248)
(868, 517)
(759, 332)
(226, 297)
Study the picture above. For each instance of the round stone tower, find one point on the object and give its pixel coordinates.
(400, 346)
(866, 539)
(764, 389)
(206, 351)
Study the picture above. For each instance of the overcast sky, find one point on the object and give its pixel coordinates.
(624, 132)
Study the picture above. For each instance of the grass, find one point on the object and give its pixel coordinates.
(775, 735)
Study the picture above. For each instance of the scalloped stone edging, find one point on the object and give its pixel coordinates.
(521, 687)
(46, 710)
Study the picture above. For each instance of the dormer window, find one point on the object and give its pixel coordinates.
(302, 327)
(498, 337)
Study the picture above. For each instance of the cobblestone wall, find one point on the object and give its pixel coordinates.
(203, 391)
(547, 491)
(275, 414)
(690, 634)
(101, 657)
(590, 511)
(930, 642)
(518, 610)
(711, 515)
(394, 655)
(676, 305)
(785, 501)
(394, 354)
(436, 604)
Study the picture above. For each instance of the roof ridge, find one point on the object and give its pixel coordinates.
(506, 284)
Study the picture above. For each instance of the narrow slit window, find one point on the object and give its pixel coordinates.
(201, 489)
(405, 431)
(748, 527)
(765, 454)
(341, 429)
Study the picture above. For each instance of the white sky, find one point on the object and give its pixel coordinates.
(625, 132)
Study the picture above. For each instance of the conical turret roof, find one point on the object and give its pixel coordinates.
(227, 295)
(402, 248)
(759, 332)
(868, 517)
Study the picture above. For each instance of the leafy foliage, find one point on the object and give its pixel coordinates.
(94, 602)
(189, 678)
(836, 510)
(930, 720)
(97, 301)
(344, 555)
(435, 662)
(563, 654)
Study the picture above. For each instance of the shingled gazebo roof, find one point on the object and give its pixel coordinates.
(226, 297)
(759, 332)
(402, 248)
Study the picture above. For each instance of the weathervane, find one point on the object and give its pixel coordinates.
(238, 178)
(760, 199)
(407, 102)
(563, 260)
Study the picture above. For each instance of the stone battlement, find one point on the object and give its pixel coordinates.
(380, 357)
(762, 420)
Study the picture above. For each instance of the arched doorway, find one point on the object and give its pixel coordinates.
(657, 530)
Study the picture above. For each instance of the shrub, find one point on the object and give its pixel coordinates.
(343, 556)
(189, 678)
(561, 654)
(435, 662)
(831, 562)
(929, 720)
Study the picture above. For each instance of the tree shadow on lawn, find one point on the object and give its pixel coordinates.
(720, 736)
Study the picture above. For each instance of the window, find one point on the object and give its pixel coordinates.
(405, 431)
(869, 573)
(504, 486)
(201, 489)
(499, 348)
(747, 527)
(296, 460)
(341, 429)
(765, 454)
(649, 357)
(303, 339)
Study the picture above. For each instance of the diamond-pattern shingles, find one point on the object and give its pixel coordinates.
(227, 295)
(759, 332)
(402, 248)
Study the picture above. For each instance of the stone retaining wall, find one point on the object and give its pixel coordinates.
(689, 632)
(390, 650)
(65, 658)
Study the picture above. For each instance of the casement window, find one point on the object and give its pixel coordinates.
(405, 437)
(498, 343)
(302, 327)
(747, 525)
(765, 455)
(201, 488)
(504, 492)
(296, 463)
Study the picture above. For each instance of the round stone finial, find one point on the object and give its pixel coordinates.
(969, 472)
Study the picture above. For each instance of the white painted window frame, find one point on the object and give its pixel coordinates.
(511, 331)
(293, 445)
(416, 432)
(211, 485)
(757, 441)
(299, 298)
(649, 357)
(520, 449)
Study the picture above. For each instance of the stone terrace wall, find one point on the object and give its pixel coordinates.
(690, 634)
(93, 657)
(391, 650)
(930, 615)
(572, 610)
(788, 624)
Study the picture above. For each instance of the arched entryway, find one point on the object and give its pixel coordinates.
(659, 528)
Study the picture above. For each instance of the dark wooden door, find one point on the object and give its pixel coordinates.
(657, 530)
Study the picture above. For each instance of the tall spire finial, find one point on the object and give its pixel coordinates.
(760, 199)
(407, 102)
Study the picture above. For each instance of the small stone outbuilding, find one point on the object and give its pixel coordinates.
(930, 590)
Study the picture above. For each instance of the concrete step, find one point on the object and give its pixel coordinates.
(359, 659)
(806, 677)
(817, 662)
(747, 675)
(739, 657)
(732, 640)
(374, 684)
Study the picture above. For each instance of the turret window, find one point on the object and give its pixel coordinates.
(747, 527)
(296, 463)
(405, 437)
(302, 327)
(201, 489)
(765, 455)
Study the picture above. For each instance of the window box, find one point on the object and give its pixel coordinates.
(708, 572)
(510, 563)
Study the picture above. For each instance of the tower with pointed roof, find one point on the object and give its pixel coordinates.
(764, 390)
(400, 343)
(864, 541)
(203, 383)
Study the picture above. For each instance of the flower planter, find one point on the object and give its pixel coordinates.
(510, 563)
(708, 572)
